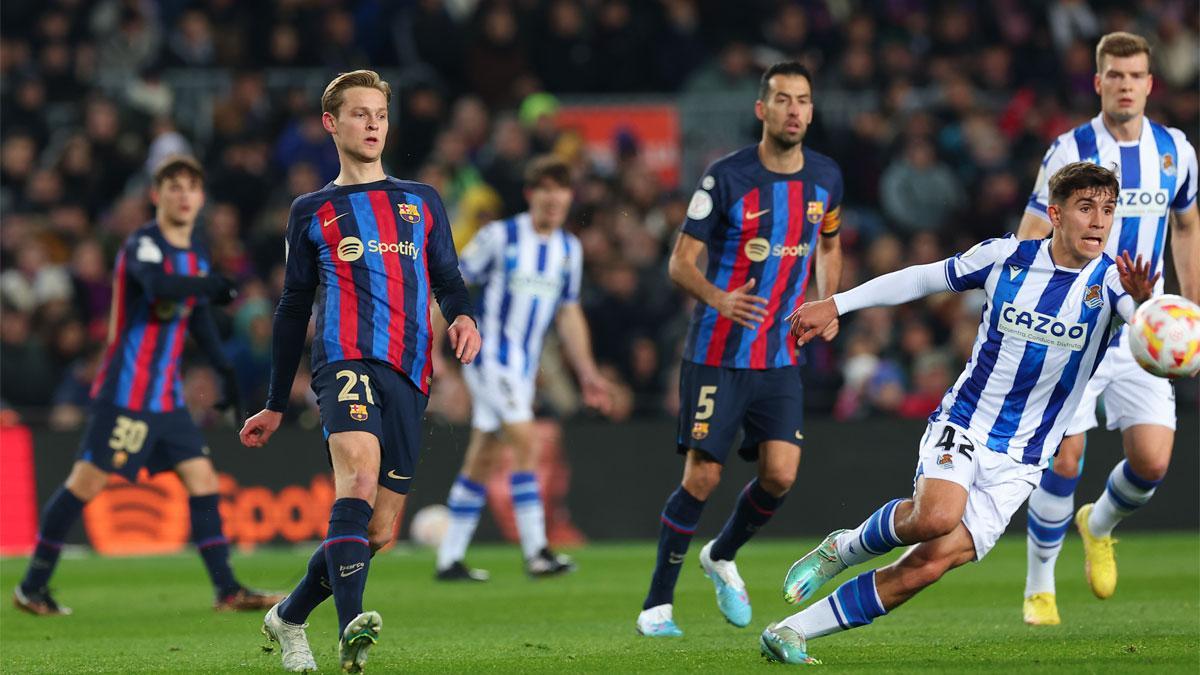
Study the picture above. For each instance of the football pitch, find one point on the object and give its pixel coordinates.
(153, 615)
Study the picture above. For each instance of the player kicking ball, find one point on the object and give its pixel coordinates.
(161, 292)
(1047, 323)
(369, 248)
(530, 270)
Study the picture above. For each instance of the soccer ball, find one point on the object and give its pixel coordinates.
(429, 525)
(1165, 336)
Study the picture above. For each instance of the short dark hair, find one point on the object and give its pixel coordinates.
(782, 68)
(174, 165)
(547, 167)
(1079, 176)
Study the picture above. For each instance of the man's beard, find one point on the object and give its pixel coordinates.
(783, 142)
(1122, 116)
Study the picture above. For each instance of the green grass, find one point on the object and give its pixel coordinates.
(151, 615)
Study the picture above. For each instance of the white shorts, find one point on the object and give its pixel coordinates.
(996, 484)
(497, 397)
(1131, 395)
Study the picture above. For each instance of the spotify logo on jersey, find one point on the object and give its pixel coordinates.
(757, 249)
(350, 249)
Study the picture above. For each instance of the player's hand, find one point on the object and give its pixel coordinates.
(231, 399)
(597, 393)
(813, 319)
(1135, 277)
(742, 308)
(464, 338)
(258, 429)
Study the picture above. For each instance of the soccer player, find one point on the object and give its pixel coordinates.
(1046, 325)
(760, 214)
(1157, 169)
(530, 269)
(162, 290)
(369, 248)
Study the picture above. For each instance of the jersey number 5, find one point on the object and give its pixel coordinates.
(705, 403)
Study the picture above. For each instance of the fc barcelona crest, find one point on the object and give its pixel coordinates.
(816, 212)
(700, 431)
(358, 412)
(410, 213)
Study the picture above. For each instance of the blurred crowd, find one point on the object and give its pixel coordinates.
(939, 114)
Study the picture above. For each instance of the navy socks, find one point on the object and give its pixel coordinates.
(59, 514)
(754, 508)
(679, 520)
(348, 555)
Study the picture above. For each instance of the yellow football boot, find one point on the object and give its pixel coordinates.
(1041, 610)
(1100, 562)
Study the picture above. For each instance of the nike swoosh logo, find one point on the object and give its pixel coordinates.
(752, 216)
(393, 474)
(799, 436)
(674, 558)
(330, 221)
(356, 570)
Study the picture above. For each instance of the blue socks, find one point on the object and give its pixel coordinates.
(312, 590)
(754, 508)
(679, 520)
(348, 555)
(59, 514)
(856, 602)
(212, 544)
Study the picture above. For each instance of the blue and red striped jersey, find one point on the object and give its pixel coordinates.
(372, 253)
(759, 225)
(140, 369)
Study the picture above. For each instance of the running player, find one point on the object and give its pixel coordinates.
(530, 269)
(760, 214)
(161, 290)
(1047, 323)
(369, 248)
(1157, 169)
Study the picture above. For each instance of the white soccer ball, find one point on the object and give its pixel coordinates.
(1165, 336)
(429, 525)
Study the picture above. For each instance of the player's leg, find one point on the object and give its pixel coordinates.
(872, 594)
(946, 468)
(64, 507)
(355, 456)
(466, 501)
(778, 462)
(679, 519)
(1143, 408)
(528, 511)
(710, 416)
(1052, 506)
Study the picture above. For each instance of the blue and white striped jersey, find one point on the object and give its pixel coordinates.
(525, 277)
(1157, 173)
(1044, 330)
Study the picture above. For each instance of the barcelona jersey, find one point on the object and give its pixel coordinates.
(759, 225)
(368, 252)
(140, 368)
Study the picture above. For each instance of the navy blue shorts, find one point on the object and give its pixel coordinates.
(121, 441)
(716, 403)
(372, 396)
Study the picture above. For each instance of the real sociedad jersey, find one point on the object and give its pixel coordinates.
(1044, 330)
(1157, 174)
(146, 335)
(368, 250)
(525, 277)
(759, 225)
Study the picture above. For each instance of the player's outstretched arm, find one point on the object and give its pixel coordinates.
(1185, 248)
(145, 263)
(577, 345)
(829, 275)
(896, 288)
(738, 305)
